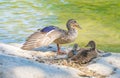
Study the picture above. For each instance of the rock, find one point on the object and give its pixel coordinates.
(16, 67)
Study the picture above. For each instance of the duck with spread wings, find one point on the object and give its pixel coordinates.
(51, 34)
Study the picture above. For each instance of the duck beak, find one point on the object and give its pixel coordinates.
(78, 26)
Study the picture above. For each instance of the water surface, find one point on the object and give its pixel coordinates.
(20, 18)
(100, 19)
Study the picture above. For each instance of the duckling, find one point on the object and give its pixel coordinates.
(85, 55)
(51, 34)
(73, 51)
(92, 45)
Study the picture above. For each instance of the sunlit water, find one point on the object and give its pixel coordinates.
(99, 19)
(18, 19)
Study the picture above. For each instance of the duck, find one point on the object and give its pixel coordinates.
(50, 34)
(73, 51)
(92, 45)
(84, 55)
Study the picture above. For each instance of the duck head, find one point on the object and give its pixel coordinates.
(91, 44)
(72, 24)
(75, 47)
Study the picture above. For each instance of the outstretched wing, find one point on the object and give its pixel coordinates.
(42, 38)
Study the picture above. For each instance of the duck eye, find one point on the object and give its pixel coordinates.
(74, 21)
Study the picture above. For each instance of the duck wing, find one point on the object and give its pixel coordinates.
(42, 37)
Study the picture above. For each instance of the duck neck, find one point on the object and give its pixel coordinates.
(72, 32)
(93, 46)
(75, 47)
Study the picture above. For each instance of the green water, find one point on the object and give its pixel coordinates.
(100, 20)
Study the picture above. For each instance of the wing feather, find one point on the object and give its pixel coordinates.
(39, 39)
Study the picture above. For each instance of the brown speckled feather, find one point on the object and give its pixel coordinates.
(39, 39)
(51, 34)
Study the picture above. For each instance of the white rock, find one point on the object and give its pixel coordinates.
(116, 74)
(13, 65)
(8, 49)
(16, 67)
(101, 67)
(114, 59)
